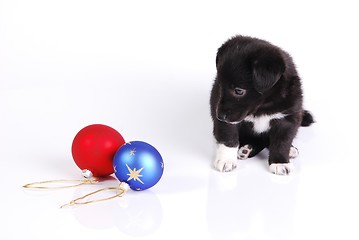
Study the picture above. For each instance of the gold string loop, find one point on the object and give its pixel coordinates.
(76, 183)
(122, 189)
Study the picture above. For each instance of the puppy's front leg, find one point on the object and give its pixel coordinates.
(226, 158)
(227, 146)
(281, 138)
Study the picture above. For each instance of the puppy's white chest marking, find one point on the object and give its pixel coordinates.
(261, 124)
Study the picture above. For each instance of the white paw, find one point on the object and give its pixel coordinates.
(226, 158)
(225, 165)
(281, 168)
(293, 152)
(244, 151)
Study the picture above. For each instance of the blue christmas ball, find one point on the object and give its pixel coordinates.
(138, 164)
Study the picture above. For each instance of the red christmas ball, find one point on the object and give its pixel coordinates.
(94, 147)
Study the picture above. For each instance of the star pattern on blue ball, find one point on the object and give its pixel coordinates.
(134, 174)
(132, 152)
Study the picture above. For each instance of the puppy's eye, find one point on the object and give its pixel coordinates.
(239, 91)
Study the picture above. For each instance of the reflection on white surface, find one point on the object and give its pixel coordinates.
(96, 215)
(141, 216)
(135, 214)
(248, 206)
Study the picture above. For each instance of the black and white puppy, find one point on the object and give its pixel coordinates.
(256, 103)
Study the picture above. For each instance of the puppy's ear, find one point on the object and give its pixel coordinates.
(220, 53)
(268, 68)
(218, 58)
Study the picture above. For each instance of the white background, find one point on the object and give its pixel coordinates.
(146, 68)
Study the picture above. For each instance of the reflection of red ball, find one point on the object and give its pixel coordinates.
(93, 149)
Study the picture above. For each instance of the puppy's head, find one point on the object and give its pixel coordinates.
(247, 70)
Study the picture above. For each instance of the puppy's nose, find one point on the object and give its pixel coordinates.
(222, 116)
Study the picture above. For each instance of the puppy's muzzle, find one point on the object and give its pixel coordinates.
(222, 116)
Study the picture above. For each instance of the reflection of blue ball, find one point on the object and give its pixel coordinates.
(138, 164)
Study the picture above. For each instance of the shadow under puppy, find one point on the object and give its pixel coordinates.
(256, 103)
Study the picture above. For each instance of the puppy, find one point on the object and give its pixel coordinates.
(256, 103)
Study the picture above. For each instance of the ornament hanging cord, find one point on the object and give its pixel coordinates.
(38, 185)
(122, 188)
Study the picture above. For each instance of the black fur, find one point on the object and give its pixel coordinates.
(269, 82)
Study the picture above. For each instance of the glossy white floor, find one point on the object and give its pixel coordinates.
(146, 69)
